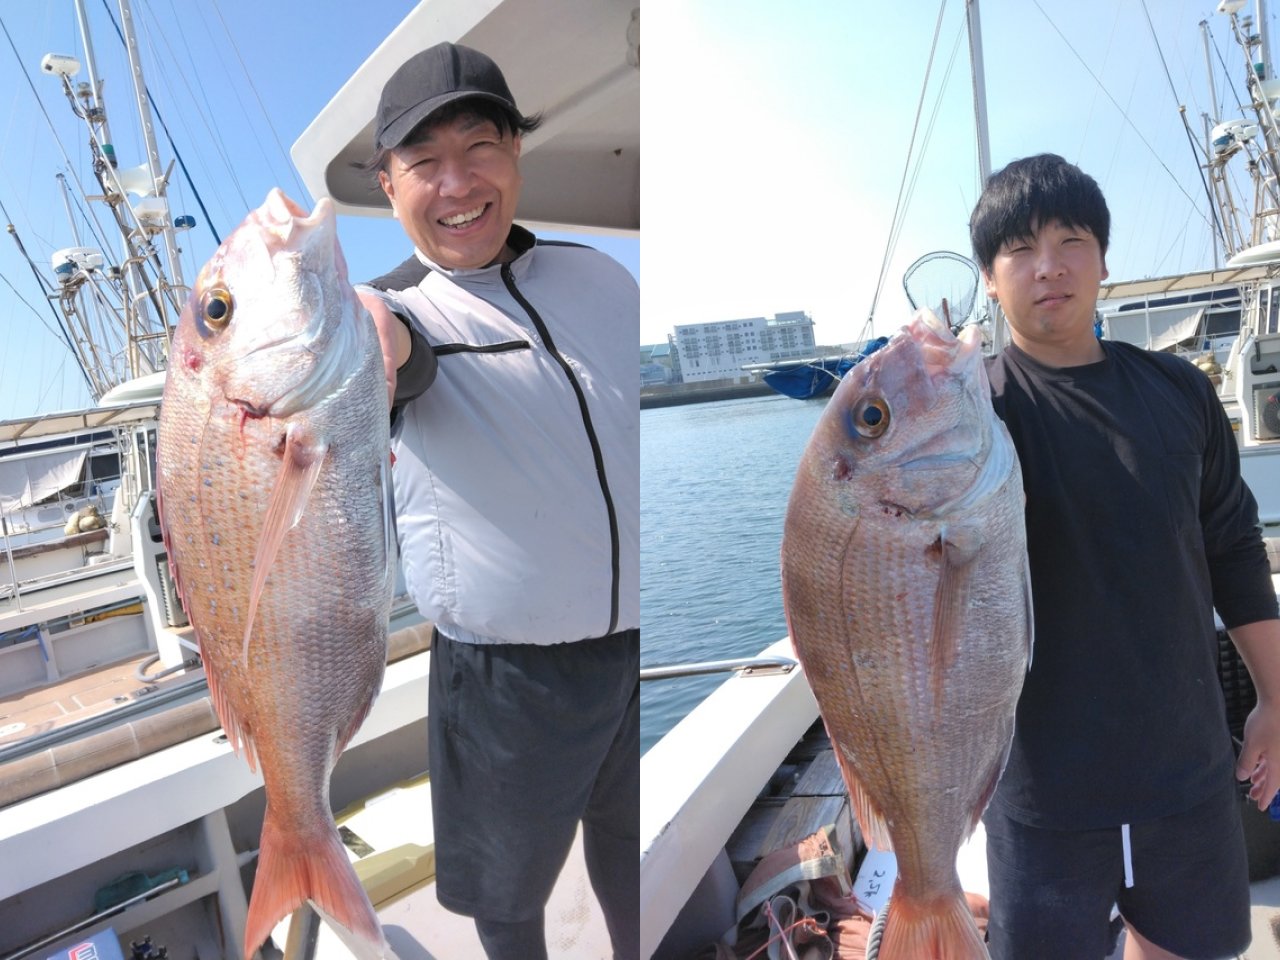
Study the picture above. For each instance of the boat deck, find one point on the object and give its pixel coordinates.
(417, 927)
(92, 693)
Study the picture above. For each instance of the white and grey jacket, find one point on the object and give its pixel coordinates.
(517, 473)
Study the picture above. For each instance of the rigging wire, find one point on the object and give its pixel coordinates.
(1093, 103)
(1186, 126)
(261, 106)
(896, 232)
(40, 282)
(906, 168)
(200, 94)
(177, 155)
(1146, 143)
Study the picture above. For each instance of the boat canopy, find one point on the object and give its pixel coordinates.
(581, 168)
(1163, 286)
(75, 421)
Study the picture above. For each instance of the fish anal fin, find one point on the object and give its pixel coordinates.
(942, 928)
(1005, 736)
(293, 868)
(300, 465)
(875, 829)
(239, 733)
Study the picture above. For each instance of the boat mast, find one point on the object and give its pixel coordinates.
(153, 159)
(974, 23)
(1260, 87)
(979, 90)
(132, 341)
(1222, 142)
(93, 102)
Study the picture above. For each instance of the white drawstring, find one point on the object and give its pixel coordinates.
(1128, 855)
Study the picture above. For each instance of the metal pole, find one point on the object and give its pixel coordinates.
(95, 85)
(979, 89)
(304, 932)
(8, 553)
(974, 22)
(1208, 69)
(749, 666)
(1264, 45)
(153, 153)
(66, 202)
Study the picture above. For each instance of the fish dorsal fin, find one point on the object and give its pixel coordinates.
(299, 468)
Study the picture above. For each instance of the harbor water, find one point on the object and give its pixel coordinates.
(714, 483)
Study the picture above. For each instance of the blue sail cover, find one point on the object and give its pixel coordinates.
(804, 380)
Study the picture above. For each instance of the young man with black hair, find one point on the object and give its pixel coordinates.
(1119, 789)
(511, 366)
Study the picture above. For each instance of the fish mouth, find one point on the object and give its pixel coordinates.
(285, 225)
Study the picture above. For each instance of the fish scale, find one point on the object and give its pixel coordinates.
(272, 459)
(907, 597)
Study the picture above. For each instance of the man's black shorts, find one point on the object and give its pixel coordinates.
(526, 741)
(1052, 891)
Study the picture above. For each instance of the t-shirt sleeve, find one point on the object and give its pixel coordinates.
(1239, 570)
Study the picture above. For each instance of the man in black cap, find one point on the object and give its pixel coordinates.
(517, 495)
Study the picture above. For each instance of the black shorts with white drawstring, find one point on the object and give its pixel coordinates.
(1181, 881)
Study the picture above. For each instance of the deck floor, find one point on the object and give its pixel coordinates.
(75, 698)
(417, 927)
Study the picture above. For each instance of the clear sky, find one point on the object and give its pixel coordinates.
(776, 136)
(775, 139)
(236, 81)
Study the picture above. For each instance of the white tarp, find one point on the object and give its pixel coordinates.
(29, 480)
(1165, 327)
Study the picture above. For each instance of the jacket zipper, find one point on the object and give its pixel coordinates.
(509, 279)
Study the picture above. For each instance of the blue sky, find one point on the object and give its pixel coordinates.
(775, 138)
(218, 73)
(771, 185)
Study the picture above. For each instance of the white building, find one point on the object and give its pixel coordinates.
(718, 351)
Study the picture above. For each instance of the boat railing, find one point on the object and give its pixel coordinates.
(743, 666)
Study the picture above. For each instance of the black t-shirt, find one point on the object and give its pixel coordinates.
(1138, 525)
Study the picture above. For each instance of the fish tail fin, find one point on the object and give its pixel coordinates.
(293, 868)
(939, 929)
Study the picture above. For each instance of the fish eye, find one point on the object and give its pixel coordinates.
(215, 307)
(871, 418)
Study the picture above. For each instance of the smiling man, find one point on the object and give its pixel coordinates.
(511, 366)
(1119, 787)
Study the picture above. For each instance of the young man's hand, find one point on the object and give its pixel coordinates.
(1259, 760)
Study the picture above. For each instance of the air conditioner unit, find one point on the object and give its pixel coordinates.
(1266, 411)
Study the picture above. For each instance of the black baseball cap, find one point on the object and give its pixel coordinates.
(431, 79)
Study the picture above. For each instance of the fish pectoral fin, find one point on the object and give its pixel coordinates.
(299, 468)
(955, 547)
(875, 829)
